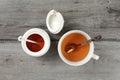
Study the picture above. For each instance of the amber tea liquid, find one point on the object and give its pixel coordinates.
(35, 47)
(81, 52)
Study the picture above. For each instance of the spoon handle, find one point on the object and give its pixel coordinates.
(85, 42)
(90, 40)
(27, 40)
(31, 41)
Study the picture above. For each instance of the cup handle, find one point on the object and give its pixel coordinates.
(96, 57)
(20, 38)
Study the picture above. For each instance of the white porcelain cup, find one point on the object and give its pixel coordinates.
(86, 59)
(40, 32)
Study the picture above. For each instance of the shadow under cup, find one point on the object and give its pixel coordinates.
(35, 47)
(80, 52)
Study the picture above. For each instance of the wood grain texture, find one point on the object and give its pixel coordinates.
(92, 16)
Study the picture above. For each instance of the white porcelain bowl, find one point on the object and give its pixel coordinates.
(40, 32)
(54, 21)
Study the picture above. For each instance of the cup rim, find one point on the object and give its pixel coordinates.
(45, 37)
(81, 62)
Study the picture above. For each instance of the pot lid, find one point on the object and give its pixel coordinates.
(54, 21)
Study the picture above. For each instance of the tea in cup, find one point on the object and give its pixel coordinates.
(35, 42)
(82, 54)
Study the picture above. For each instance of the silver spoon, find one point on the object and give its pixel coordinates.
(27, 40)
(72, 47)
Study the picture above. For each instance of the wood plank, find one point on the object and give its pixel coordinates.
(91, 16)
(15, 64)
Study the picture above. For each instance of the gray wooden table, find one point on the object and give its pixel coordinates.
(92, 16)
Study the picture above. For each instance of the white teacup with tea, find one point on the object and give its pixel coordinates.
(82, 54)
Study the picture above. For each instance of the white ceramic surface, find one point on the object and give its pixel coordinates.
(86, 59)
(42, 33)
(54, 21)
